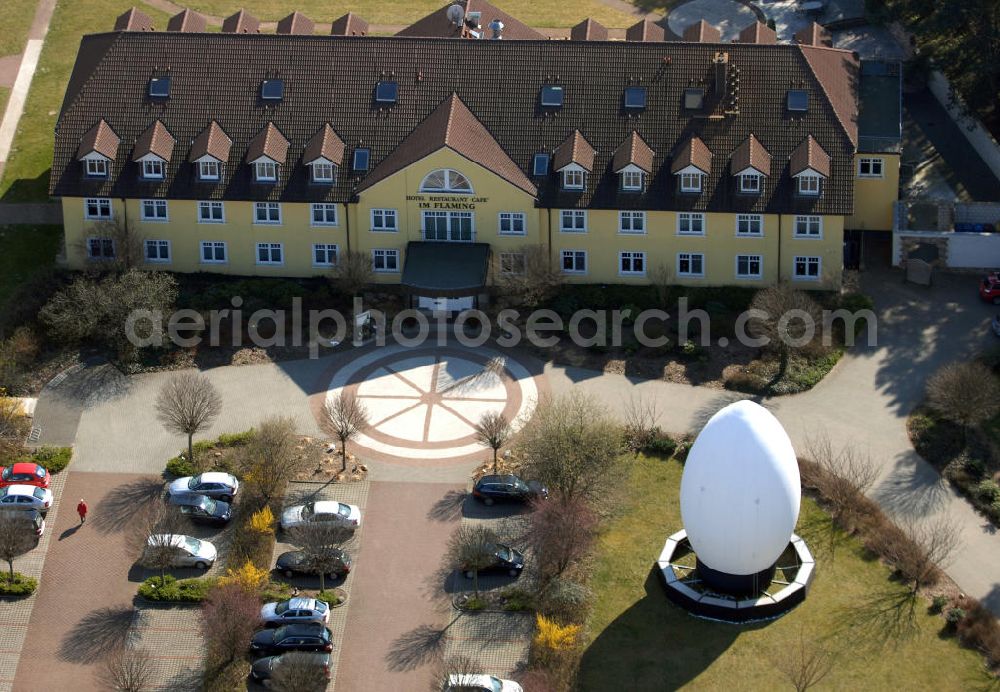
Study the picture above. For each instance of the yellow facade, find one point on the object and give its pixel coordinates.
(874, 196)
(602, 240)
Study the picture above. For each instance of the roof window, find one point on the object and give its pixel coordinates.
(635, 98)
(272, 89)
(552, 96)
(694, 99)
(386, 92)
(361, 157)
(159, 87)
(540, 165)
(797, 100)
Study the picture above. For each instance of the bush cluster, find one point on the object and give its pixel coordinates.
(54, 459)
(20, 585)
(204, 460)
(174, 590)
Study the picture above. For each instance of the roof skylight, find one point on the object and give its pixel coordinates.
(552, 96)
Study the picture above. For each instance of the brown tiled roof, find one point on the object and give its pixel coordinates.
(837, 73)
(758, 32)
(809, 154)
(156, 140)
(646, 30)
(349, 24)
(269, 142)
(635, 152)
(296, 23)
(212, 141)
(751, 154)
(187, 21)
(242, 22)
(814, 35)
(702, 32)
(588, 30)
(437, 24)
(216, 76)
(324, 144)
(574, 149)
(133, 20)
(454, 126)
(692, 152)
(99, 139)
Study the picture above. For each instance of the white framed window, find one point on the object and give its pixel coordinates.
(152, 169)
(511, 223)
(100, 248)
(385, 261)
(270, 253)
(690, 224)
(324, 254)
(154, 209)
(157, 251)
(209, 170)
(446, 180)
(808, 227)
(573, 221)
(512, 263)
(807, 268)
(450, 226)
(211, 212)
(323, 214)
(749, 266)
(266, 171)
(323, 172)
(633, 222)
(97, 168)
(749, 225)
(573, 179)
(632, 263)
(97, 208)
(213, 252)
(267, 212)
(750, 183)
(384, 220)
(691, 182)
(809, 185)
(871, 167)
(632, 181)
(691, 264)
(574, 261)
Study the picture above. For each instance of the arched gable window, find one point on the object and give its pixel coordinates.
(446, 180)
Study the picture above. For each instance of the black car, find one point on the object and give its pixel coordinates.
(509, 488)
(506, 560)
(263, 668)
(308, 636)
(30, 519)
(202, 509)
(294, 562)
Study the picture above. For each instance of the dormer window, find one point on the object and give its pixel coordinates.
(386, 92)
(809, 185)
(573, 178)
(632, 180)
(97, 167)
(323, 172)
(266, 171)
(691, 182)
(552, 96)
(209, 170)
(750, 183)
(360, 162)
(272, 90)
(152, 169)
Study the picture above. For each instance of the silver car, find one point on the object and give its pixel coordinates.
(26, 497)
(186, 551)
(214, 484)
(295, 610)
(323, 510)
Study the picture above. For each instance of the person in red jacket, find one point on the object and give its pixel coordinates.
(81, 509)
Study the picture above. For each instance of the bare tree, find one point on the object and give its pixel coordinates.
(560, 534)
(918, 552)
(571, 445)
(187, 404)
(965, 393)
(804, 665)
(153, 530)
(299, 672)
(16, 537)
(493, 431)
(349, 418)
(125, 669)
(843, 478)
(351, 275)
(230, 616)
(455, 672)
(640, 416)
(661, 278)
(785, 317)
(270, 459)
(128, 242)
(470, 549)
(13, 428)
(323, 544)
(533, 279)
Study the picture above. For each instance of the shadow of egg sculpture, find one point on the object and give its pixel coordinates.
(740, 495)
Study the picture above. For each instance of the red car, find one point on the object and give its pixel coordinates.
(24, 473)
(989, 288)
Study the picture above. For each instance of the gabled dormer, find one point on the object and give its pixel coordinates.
(324, 153)
(98, 149)
(751, 166)
(153, 150)
(809, 165)
(632, 163)
(574, 160)
(691, 165)
(266, 153)
(210, 152)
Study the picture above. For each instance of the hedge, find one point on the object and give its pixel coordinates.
(21, 585)
(54, 459)
(173, 590)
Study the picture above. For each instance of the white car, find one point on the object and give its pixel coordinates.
(214, 484)
(295, 610)
(348, 515)
(187, 551)
(26, 497)
(467, 682)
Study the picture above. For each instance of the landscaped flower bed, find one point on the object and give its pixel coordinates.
(20, 585)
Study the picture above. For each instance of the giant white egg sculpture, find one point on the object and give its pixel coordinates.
(740, 490)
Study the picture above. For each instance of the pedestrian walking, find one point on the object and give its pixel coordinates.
(81, 509)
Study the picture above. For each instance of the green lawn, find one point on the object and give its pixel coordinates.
(638, 640)
(26, 250)
(17, 18)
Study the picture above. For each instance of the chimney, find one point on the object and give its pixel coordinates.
(496, 27)
(721, 65)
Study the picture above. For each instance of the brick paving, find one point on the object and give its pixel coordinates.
(173, 638)
(497, 642)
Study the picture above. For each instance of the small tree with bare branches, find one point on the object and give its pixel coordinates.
(13, 427)
(231, 614)
(804, 665)
(352, 273)
(784, 317)
(492, 431)
(965, 393)
(533, 279)
(560, 533)
(299, 671)
(470, 549)
(349, 418)
(187, 404)
(153, 529)
(844, 478)
(641, 429)
(270, 459)
(322, 543)
(16, 538)
(128, 242)
(918, 552)
(125, 669)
